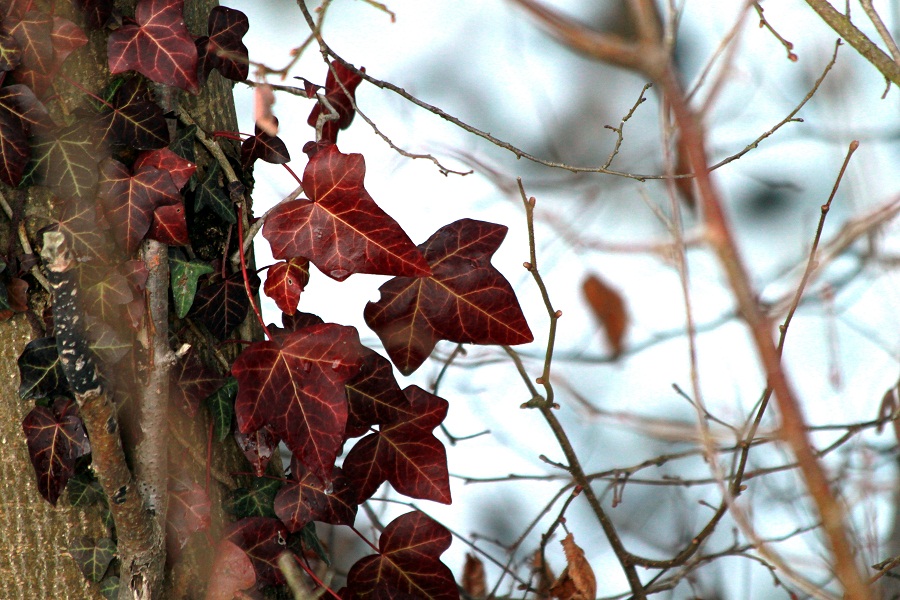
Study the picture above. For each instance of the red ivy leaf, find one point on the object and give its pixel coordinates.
(10, 53)
(295, 385)
(263, 539)
(80, 223)
(284, 282)
(263, 146)
(56, 438)
(223, 304)
(338, 99)
(404, 452)
(169, 225)
(233, 572)
(258, 446)
(33, 35)
(180, 169)
(134, 119)
(374, 396)
(465, 300)
(129, 200)
(192, 382)
(309, 499)
(223, 48)
(96, 12)
(408, 564)
(340, 229)
(188, 513)
(157, 46)
(19, 101)
(14, 151)
(66, 38)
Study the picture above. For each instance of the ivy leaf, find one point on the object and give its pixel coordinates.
(183, 144)
(96, 12)
(465, 300)
(222, 305)
(85, 232)
(337, 97)
(233, 572)
(66, 38)
(56, 438)
(133, 119)
(404, 452)
(256, 501)
(184, 277)
(92, 557)
(84, 490)
(14, 151)
(373, 396)
(164, 159)
(32, 33)
(157, 45)
(40, 372)
(263, 539)
(340, 229)
(258, 446)
(285, 281)
(129, 200)
(408, 564)
(10, 52)
(109, 587)
(189, 512)
(66, 162)
(221, 407)
(20, 102)
(105, 297)
(265, 147)
(192, 382)
(223, 49)
(169, 225)
(296, 386)
(211, 194)
(308, 499)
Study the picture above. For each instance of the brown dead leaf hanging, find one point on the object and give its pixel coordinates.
(474, 582)
(577, 581)
(609, 308)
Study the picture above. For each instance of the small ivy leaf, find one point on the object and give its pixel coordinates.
(223, 49)
(169, 225)
(92, 557)
(307, 499)
(183, 144)
(221, 407)
(86, 233)
(129, 200)
(408, 564)
(308, 539)
(340, 229)
(67, 37)
(14, 151)
(263, 539)
(10, 52)
(300, 320)
(296, 386)
(109, 587)
(66, 162)
(164, 159)
(56, 439)
(257, 501)
(157, 45)
(32, 33)
(337, 97)
(233, 572)
(96, 13)
(285, 281)
(192, 382)
(108, 342)
(265, 147)
(188, 513)
(84, 490)
(211, 195)
(133, 119)
(465, 300)
(404, 453)
(609, 309)
(20, 102)
(258, 446)
(184, 277)
(40, 372)
(374, 396)
(222, 305)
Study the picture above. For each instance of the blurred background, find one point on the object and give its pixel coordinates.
(489, 64)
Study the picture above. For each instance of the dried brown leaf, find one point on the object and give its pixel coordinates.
(544, 574)
(609, 308)
(577, 581)
(474, 582)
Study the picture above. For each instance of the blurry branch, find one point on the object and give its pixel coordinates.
(649, 58)
(882, 29)
(842, 25)
(764, 23)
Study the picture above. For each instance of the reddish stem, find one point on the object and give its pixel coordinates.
(253, 305)
(294, 175)
(314, 578)
(365, 539)
(91, 94)
(230, 135)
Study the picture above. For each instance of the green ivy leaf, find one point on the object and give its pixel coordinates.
(257, 501)
(184, 277)
(40, 371)
(221, 406)
(93, 558)
(311, 541)
(211, 194)
(84, 490)
(109, 587)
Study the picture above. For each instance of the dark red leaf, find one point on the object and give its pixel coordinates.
(14, 151)
(308, 499)
(105, 294)
(374, 396)
(40, 372)
(179, 169)
(10, 52)
(66, 161)
(56, 438)
(233, 572)
(223, 49)
(258, 446)
(404, 452)
(338, 99)
(66, 38)
(33, 35)
(18, 100)
(284, 282)
(188, 513)
(129, 200)
(222, 305)
(157, 46)
(192, 382)
(300, 320)
(265, 147)
(408, 565)
(264, 539)
(296, 386)
(96, 12)
(87, 236)
(169, 225)
(134, 119)
(340, 229)
(465, 300)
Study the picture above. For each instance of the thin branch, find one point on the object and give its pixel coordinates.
(882, 29)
